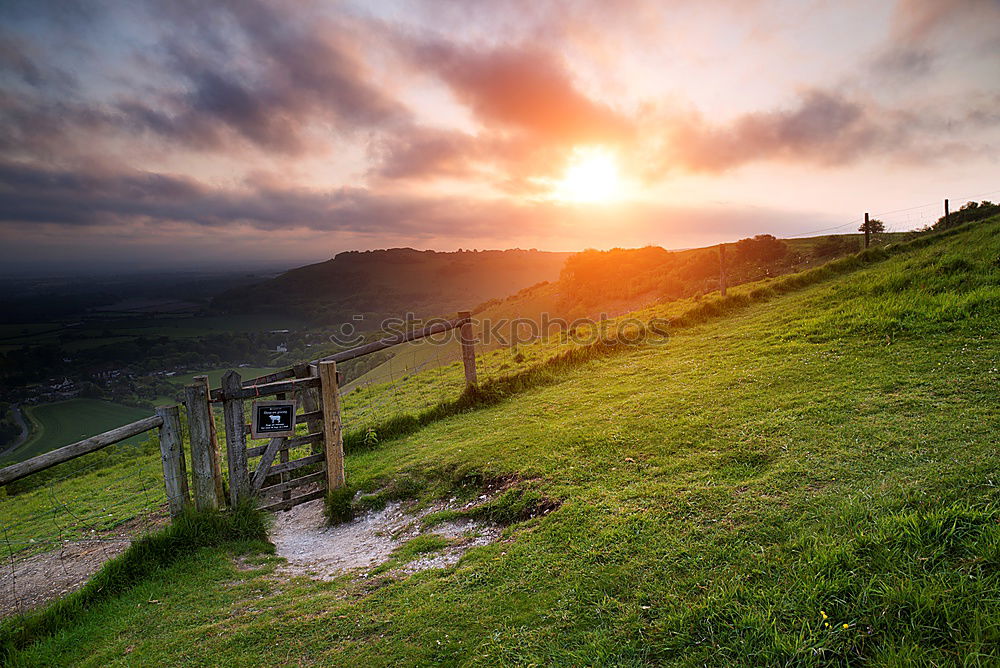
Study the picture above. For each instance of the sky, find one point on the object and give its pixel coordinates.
(141, 134)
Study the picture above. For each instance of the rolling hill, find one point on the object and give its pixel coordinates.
(611, 283)
(802, 473)
(389, 283)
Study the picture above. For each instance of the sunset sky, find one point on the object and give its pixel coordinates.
(146, 134)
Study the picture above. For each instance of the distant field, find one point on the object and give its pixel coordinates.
(65, 422)
(215, 375)
(97, 342)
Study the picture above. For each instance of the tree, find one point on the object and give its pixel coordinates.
(834, 246)
(875, 226)
(763, 249)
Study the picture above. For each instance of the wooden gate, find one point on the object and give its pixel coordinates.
(313, 457)
(253, 471)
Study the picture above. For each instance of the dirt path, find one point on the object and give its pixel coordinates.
(29, 582)
(33, 581)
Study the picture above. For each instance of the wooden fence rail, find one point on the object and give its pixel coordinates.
(74, 450)
(168, 423)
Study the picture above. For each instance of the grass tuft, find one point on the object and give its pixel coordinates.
(337, 507)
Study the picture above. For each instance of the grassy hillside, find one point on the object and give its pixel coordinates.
(805, 474)
(61, 423)
(593, 284)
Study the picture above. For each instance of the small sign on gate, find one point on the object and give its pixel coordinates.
(272, 418)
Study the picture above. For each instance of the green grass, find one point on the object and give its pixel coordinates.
(61, 423)
(820, 449)
(215, 375)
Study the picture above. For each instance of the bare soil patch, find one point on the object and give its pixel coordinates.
(313, 549)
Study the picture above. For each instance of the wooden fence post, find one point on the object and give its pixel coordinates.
(172, 455)
(220, 489)
(867, 230)
(947, 222)
(333, 436)
(204, 447)
(468, 339)
(722, 270)
(236, 438)
(310, 400)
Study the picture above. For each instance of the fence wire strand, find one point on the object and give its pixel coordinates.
(58, 532)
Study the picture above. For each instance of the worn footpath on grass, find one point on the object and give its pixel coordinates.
(311, 548)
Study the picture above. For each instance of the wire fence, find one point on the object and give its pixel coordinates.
(898, 220)
(56, 533)
(417, 377)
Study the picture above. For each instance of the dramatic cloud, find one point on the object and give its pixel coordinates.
(922, 32)
(421, 152)
(87, 199)
(825, 128)
(267, 81)
(225, 72)
(413, 119)
(523, 88)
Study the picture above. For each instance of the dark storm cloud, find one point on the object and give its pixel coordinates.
(248, 72)
(74, 198)
(299, 71)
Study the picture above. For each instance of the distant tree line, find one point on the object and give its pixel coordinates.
(595, 278)
(143, 355)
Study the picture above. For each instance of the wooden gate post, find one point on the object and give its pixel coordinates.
(867, 230)
(236, 438)
(310, 400)
(204, 446)
(468, 339)
(333, 436)
(172, 455)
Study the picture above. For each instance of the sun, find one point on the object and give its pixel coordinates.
(591, 177)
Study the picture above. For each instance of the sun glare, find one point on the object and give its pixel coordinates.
(592, 177)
